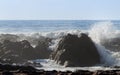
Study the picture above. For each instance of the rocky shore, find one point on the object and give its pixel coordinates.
(71, 51)
(22, 51)
(28, 70)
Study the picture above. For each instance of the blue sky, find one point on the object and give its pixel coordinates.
(59, 9)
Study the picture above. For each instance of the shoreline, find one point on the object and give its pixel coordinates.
(29, 70)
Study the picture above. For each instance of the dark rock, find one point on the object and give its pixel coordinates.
(42, 50)
(107, 72)
(82, 72)
(118, 67)
(28, 70)
(10, 37)
(112, 44)
(54, 72)
(7, 73)
(8, 67)
(27, 51)
(18, 52)
(76, 51)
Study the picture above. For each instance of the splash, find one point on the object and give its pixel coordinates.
(104, 32)
(101, 31)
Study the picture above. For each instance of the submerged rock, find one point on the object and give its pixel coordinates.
(76, 51)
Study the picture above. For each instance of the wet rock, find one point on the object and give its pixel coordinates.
(76, 51)
(112, 44)
(19, 52)
(82, 72)
(28, 70)
(10, 37)
(7, 73)
(107, 72)
(27, 51)
(16, 51)
(42, 50)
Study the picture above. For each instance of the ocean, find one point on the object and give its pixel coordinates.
(25, 26)
(100, 31)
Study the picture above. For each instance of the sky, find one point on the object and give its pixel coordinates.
(59, 9)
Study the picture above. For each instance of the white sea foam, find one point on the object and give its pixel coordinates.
(50, 65)
(106, 56)
(98, 32)
(102, 30)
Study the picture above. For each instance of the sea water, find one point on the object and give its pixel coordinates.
(97, 30)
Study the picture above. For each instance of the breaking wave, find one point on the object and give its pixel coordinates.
(100, 33)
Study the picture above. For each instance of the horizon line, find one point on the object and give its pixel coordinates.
(61, 19)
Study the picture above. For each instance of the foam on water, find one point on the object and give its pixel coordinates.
(101, 31)
(50, 65)
(98, 32)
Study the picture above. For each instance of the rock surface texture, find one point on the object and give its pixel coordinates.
(74, 51)
(21, 51)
